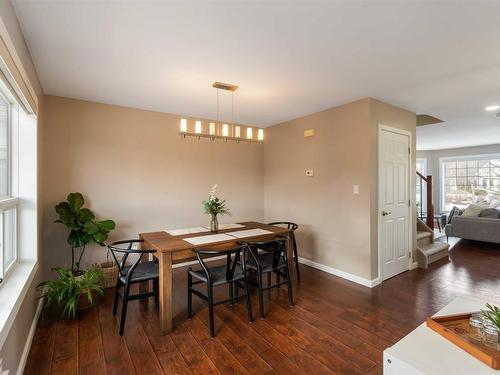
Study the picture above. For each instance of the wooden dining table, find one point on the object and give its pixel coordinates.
(174, 249)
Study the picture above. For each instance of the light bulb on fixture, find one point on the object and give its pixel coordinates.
(197, 128)
(211, 130)
(183, 126)
(260, 135)
(225, 130)
(492, 108)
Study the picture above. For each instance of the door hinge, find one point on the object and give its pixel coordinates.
(409, 151)
(409, 254)
(409, 203)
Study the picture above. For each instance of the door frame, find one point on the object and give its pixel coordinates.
(411, 189)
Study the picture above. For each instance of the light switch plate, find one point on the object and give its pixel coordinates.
(309, 173)
(355, 189)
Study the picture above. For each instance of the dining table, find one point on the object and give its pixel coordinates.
(178, 246)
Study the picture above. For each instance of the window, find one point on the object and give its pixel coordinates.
(8, 199)
(471, 180)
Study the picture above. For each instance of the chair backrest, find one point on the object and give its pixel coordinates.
(275, 247)
(126, 248)
(288, 224)
(231, 262)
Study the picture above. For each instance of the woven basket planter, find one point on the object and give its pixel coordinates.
(109, 274)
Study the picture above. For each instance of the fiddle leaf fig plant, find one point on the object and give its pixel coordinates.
(83, 227)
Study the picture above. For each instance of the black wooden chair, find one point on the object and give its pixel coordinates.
(139, 271)
(267, 258)
(293, 227)
(233, 273)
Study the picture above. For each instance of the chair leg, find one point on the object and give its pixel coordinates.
(289, 284)
(261, 296)
(296, 256)
(211, 310)
(117, 295)
(231, 293)
(190, 296)
(247, 298)
(124, 308)
(156, 289)
(269, 281)
(237, 292)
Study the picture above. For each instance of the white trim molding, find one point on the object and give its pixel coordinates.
(29, 339)
(345, 275)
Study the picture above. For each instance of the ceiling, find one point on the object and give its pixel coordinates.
(290, 59)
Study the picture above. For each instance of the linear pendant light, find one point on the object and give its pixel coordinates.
(224, 132)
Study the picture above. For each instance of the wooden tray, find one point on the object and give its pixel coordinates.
(455, 328)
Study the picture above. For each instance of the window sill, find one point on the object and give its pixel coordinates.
(12, 293)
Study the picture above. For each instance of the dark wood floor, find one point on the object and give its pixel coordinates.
(336, 326)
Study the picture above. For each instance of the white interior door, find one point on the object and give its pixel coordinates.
(394, 202)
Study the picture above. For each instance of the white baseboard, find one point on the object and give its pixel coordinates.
(29, 339)
(345, 275)
(414, 265)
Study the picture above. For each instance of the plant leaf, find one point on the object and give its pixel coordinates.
(100, 236)
(76, 201)
(63, 208)
(106, 225)
(86, 215)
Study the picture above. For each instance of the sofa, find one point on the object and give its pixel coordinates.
(484, 227)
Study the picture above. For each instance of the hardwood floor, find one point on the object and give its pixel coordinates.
(336, 327)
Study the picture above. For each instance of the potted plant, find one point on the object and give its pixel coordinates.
(84, 229)
(491, 315)
(215, 206)
(69, 293)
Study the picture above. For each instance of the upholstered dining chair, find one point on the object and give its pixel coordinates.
(267, 257)
(293, 227)
(232, 273)
(138, 271)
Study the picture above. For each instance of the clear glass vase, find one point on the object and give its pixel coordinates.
(214, 224)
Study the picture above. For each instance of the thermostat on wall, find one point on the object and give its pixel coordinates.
(308, 133)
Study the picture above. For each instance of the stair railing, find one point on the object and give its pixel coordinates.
(430, 207)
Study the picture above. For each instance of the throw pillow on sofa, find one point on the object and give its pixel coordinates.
(455, 211)
(473, 210)
(490, 212)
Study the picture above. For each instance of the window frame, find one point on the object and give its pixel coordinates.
(11, 200)
(443, 160)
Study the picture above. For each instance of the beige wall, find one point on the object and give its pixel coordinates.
(337, 228)
(133, 167)
(434, 168)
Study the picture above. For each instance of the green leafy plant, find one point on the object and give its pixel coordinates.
(84, 229)
(214, 205)
(65, 292)
(492, 313)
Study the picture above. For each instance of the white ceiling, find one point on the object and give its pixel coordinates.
(290, 59)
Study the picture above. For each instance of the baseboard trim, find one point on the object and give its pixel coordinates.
(29, 339)
(414, 265)
(345, 275)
